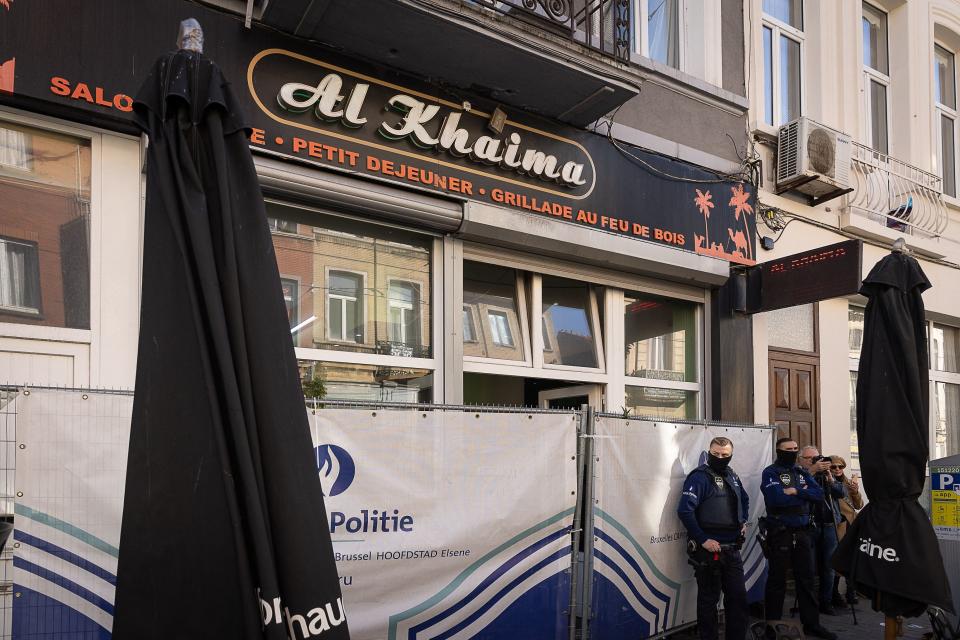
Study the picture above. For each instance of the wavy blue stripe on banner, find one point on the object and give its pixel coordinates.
(63, 554)
(603, 535)
(36, 615)
(463, 575)
(652, 608)
(756, 565)
(66, 527)
(60, 581)
(643, 554)
(490, 579)
(499, 596)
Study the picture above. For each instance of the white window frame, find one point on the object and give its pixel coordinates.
(872, 75)
(27, 164)
(778, 29)
(361, 306)
(483, 325)
(404, 306)
(946, 377)
(468, 313)
(642, 28)
(4, 242)
(941, 110)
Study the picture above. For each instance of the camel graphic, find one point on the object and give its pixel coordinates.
(740, 241)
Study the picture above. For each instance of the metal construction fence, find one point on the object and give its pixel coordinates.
(447, 520)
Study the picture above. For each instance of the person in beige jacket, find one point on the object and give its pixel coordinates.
(849, 505)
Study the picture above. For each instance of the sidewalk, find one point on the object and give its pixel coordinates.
(870, 624)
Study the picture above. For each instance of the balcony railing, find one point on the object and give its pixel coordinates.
(896, 194)
(604, 25)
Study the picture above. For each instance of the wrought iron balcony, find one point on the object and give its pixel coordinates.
(604, 25)
(895, 194)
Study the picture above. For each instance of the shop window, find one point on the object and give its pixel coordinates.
(404, 314)
(345, 301)
(365, 382)
(490, 293)
(19, 277)
(363, 288)
(945, 99)
(854, 442)
(661, 338)
(15, 149)
(290, 289)
(571, 321)
(876, 71)
(45, 221)
(783, 41)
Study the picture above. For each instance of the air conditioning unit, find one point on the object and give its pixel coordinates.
(813, 159)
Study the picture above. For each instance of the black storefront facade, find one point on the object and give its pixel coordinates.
(434, 245)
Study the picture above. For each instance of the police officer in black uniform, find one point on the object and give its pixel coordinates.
(714, 507)
(790, 494)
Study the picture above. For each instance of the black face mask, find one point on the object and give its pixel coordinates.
(718, 464)
(786, 458)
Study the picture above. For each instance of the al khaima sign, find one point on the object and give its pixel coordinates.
(321, 107)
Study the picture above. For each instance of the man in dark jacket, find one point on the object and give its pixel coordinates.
(790, 494)
(714, 507)
(826, 515)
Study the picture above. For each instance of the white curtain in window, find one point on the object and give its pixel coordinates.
(14, 149)
(663, 21)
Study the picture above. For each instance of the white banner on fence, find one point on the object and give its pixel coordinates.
(450, 524)
(642, 583)
(70, 468)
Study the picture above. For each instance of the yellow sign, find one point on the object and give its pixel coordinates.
(945, 506)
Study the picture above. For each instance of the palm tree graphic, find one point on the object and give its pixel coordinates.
(741, 206)
(703, 203)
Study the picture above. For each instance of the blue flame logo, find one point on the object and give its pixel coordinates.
(336, 469)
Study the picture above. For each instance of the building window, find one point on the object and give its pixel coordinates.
(15, 149)
(876, 76)
(663, 31)
(290, 287)
(358, 298)
(19, 276)
(345, 301)
(945, 375)
(945, 99)
(45, 222)
(469, 328)
(783, 37)
(404, 314)
(855, 321)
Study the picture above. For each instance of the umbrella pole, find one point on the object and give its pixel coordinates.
(892, 628)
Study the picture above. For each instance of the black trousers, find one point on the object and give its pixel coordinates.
(726, 576)
(791, 548)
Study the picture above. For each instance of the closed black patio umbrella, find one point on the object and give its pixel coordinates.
(224, 533)
(890, 552)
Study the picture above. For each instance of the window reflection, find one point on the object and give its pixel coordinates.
(945, 347)
(44, 228)
(359, 287)
(490, 298)
(665, 404)
(855, 330)
(363, 382)
(661, 338)
(569, 308)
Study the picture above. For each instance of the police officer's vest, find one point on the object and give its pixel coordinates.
(789, 478)
(720, 509)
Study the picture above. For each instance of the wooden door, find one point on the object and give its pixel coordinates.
(794, 394)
